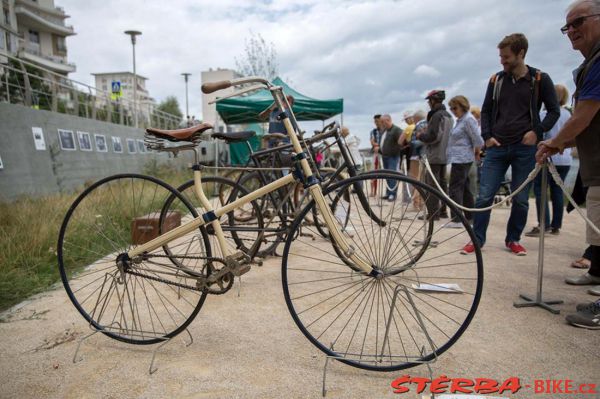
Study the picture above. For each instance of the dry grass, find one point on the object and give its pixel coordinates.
(29, 230)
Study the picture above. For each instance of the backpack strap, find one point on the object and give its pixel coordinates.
(536, 78)
(496, 80)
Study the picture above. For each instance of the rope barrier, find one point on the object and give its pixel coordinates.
(561, 184)
(532, 175)
(529, 179)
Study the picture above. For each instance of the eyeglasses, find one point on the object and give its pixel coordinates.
(576, 23)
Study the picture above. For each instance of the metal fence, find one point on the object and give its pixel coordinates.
(27, 84)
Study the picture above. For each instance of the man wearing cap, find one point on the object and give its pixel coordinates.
(511, 128)
(435, 138)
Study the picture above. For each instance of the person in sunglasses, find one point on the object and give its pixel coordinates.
(511, 128)
(583, 130)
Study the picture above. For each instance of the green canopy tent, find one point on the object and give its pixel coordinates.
(245, 110)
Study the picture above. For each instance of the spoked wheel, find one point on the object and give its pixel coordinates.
(275, 208)
(423, 303)
(242, 227)
(144, 300)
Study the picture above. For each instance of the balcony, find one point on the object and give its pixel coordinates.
(31, 52)
(42, 21)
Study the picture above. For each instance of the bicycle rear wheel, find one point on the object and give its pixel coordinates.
(275, 207)
(242, 227)
(149, 299)
(422, 305)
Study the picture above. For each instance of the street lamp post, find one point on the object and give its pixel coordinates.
(133, 34)
(187, 111)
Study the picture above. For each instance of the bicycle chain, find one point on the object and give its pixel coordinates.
(208, 289)
(160, 280)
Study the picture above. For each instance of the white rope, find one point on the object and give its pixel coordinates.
(532, 175)
(561, 184)
(529, 179)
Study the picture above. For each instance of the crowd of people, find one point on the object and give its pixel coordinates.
(523, 120)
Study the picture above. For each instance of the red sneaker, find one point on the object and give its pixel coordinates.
(468, 249)
(516, 248)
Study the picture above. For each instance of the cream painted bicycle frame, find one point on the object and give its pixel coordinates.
(315, 191)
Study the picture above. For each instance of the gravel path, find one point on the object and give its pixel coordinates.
(248, 346)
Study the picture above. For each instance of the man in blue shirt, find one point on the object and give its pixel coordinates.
(583, 130)
(511, 127)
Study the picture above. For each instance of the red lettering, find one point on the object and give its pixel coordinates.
(569, 386)
(486, 385)
(538, 386)
(421, 383)
(398, 383)
(439, 385)
(556, 386)
(592, 388)
(461, 385)
(512, 384)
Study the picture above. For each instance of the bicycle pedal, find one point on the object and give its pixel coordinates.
(240, 269)
(238, 263)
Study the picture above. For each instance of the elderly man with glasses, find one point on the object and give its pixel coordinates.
(583, 130)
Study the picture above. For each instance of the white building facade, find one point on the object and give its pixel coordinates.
(35, 31)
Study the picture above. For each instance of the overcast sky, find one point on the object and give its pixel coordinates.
(380, 56)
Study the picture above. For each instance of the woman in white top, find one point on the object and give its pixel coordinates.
(563, 164)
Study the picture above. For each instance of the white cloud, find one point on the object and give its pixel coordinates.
(426, 70)
(379, 55)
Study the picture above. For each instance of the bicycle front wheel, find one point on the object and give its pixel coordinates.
(416, 311)
(150, 298)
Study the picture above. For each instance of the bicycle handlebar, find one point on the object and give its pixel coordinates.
(211, 87)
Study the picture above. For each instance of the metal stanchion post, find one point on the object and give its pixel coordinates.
(527, 300)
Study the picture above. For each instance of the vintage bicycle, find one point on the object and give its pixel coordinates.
(360, 295)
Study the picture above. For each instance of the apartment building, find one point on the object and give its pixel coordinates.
(145, 103)
(209, 111)
(35, 31)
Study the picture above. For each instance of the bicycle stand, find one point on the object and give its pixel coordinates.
(151, 368)
(380, 357)
(528, 301)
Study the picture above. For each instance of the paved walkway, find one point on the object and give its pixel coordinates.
(247, 346)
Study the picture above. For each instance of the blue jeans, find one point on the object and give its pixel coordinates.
(556, 195)
(521, 158)
(391, 163)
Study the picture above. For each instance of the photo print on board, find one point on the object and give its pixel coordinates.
(66, 139)
(100, 143)
(117, 146)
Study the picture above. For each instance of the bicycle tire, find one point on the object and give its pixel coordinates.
(153, 300)
(242, 227)
(348, 315)
(275, 214)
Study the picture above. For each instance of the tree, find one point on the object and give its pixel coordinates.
(260, 58)
(170, 105)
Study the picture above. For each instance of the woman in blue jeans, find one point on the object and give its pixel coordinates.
(464, 145)
(563, 164)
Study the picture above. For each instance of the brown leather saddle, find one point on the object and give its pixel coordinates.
(187, 134)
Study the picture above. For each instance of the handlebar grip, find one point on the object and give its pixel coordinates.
(211, 87)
